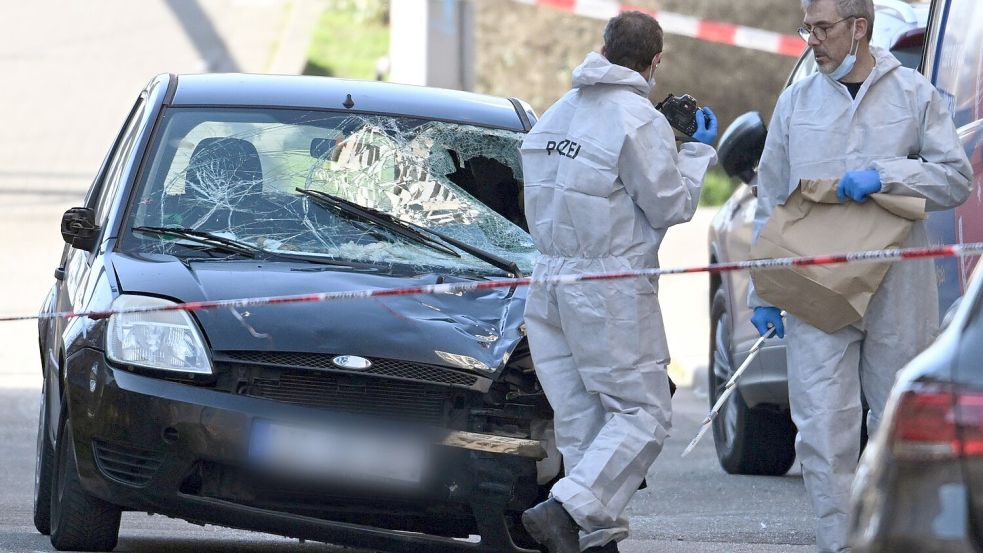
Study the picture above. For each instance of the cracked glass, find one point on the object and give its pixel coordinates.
(235, 174)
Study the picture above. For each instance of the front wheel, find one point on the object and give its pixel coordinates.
(748, 441)
(79, 521)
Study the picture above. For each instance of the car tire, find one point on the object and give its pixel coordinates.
(79, 521)
(748, 441)
(42, 469)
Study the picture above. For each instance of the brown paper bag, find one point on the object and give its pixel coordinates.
(813, 222)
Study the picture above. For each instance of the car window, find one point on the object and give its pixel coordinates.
(960, 68)
(909, 56)
(113, 176)
(235, 172)
(92, 196)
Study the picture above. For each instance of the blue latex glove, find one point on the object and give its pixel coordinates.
(767, 317)
(857, 185)
(705, 132)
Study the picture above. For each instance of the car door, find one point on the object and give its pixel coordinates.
(957, 71)
(949, 44)
(73, 287)
(735, 241)
(956, 64)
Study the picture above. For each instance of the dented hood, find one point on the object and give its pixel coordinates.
(435, 329)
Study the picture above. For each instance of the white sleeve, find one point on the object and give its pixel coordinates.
(663, 183)
(942, 174)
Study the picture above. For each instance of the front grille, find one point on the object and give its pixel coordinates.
(355, 395)
(390, 368)
(128, 465)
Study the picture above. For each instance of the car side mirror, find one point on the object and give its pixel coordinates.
(79, 228)
(741, 146)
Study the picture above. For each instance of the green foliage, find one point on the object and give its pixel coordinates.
(350, 38)
(717, 187)
(363, 11)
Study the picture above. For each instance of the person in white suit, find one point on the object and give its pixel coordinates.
(878, 127)
(604, 180)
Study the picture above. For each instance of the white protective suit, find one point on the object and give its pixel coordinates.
(603, 182)
(819, 131)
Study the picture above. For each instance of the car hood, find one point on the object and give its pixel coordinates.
(440, 329)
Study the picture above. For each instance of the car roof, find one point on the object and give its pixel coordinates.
(327, 93)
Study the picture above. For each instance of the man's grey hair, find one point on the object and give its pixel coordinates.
(852, 8)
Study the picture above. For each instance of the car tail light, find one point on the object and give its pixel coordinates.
(936, 422)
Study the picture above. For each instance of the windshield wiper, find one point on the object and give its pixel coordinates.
(500, 262)
(377, 218)
(417, 232)
(205, 238)
(230, 245)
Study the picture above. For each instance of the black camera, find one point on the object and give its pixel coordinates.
(680, 111)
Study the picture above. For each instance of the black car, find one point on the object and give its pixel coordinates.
(392, 423)
(919, 487)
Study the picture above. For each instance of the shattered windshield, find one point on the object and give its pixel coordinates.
(237, 174)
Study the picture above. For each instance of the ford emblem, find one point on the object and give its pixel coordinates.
(352, 362)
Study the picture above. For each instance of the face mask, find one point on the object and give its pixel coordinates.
(846, 66)
(651, 79)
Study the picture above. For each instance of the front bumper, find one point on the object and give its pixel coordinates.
(154, 445)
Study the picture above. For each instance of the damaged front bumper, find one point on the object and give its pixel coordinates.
(182, 450)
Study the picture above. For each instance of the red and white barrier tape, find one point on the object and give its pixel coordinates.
(686, 25)
(957, 250)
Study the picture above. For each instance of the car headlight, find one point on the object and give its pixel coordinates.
(166, 340)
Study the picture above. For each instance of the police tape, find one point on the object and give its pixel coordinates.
(895, 254)
(686, 25)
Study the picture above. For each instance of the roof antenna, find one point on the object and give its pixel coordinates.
(349, 103)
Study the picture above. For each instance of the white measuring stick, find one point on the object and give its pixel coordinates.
(728, 389)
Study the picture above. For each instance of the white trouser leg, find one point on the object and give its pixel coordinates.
(577, 414)
(609, 330)
(824, 393)
(828, 372)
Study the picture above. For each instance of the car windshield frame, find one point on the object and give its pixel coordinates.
(161, 167)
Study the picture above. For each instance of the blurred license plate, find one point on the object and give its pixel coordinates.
(337, 452)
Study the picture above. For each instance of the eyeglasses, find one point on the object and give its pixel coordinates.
(819, 31)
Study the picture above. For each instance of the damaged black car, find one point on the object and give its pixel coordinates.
(394, 423)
